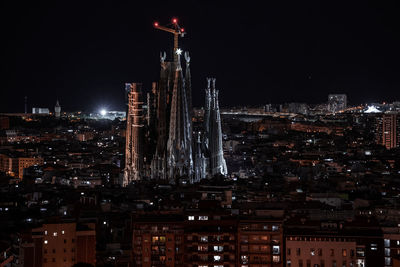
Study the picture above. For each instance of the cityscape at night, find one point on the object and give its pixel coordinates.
(200, 134)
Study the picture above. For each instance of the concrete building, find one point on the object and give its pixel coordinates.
(58, 244)
(388, 130)
(15, 165)
(337, 102)
(40, 111)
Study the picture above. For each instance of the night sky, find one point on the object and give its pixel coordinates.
(83, 52)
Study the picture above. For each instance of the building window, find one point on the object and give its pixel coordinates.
(218, 248)
(217, 258)
(45, 260)
(275, 228)
(374, 246)
(319, 252)
(360, 252)
(191, 218)
(73, 240)
(288, 263)
(312, 252)
(54, 250)
(62, 232)
(388, 261)
(288, 251)
(387, 252)
(334, 263)
(300, 263)
(46, 242)
(55, 234)
(65, 241)
(45, 232)
(332, 252)
(244, 259)
(298, 251)
(202, 248)
(275, 250)
(276, 258)
(344, 252)
(45, 251)
(204, 238)
(54, 259)
(203, 218)
(387, 243)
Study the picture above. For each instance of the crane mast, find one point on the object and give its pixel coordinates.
(176, 30)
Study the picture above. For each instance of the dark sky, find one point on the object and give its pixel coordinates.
(82, 52)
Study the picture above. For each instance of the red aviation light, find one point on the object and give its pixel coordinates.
(156, 24)
(175, 20)
(182, 29)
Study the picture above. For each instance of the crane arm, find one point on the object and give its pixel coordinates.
(167, 29)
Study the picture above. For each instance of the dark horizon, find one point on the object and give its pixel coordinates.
(83, 53)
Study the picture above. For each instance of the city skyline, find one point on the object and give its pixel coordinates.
(279, 53)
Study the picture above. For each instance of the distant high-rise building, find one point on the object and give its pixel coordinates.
(388, 132)
(26, 104)
(57, 110)
(337, 102)
(134, 135)
(40, 111)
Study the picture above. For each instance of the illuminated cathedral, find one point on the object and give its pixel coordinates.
(161, 144)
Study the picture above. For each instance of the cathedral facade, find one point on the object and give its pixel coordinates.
(162, 144)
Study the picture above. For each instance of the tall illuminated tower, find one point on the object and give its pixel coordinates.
(134, 135)
(57, 110)
(217, 161)
(179, 144)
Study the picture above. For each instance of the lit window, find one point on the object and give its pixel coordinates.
(374, 247)
(218, 248)
(203, 218)
(387, 242)
(202, 248)
(312, 252)
(275, 250)
(55, 234)
(217, 258)
(191, 218)
(276, 258)
(204, 239)
(46, 241)
(244, 259)
(275, 227)
(387, 252)
(62, 232)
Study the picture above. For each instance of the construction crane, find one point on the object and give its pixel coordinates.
(176, 30)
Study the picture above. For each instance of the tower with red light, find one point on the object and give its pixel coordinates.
(175, 29)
